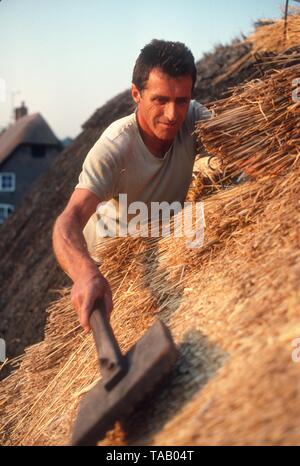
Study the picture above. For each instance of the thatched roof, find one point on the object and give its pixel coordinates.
(231, 305)
(243, 60)
(276, 36)
(30, 129)
(28, 272)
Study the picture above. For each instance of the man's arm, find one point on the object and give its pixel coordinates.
(72, 254)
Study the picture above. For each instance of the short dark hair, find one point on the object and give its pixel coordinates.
(172, 58)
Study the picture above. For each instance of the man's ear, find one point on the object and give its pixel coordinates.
(135, 93)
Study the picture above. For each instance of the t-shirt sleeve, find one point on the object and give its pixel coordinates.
(198, 112)
(101, 170)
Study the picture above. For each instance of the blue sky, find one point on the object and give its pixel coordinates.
(66, 58)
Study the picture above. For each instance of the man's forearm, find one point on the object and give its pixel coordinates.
(70, 247)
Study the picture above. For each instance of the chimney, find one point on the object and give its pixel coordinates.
(21, 111)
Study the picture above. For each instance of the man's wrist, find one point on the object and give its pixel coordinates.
(86, 268)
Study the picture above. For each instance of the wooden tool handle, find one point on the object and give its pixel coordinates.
(111, 361)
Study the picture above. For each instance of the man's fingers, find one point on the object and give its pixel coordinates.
(83, 297)
(87, 329)
(87, 307)
(84, 319)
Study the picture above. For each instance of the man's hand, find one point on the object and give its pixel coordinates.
(86, 289)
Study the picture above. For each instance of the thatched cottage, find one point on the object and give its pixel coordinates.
(27, 148)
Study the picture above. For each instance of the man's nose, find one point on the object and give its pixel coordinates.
(170, 111)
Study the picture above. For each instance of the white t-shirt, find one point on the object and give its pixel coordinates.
(120, 163)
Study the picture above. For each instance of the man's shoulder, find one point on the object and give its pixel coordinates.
(121, 129)
(198, 111)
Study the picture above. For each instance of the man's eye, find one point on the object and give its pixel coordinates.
(160, 100)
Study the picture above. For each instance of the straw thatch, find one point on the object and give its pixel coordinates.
(30, 129)
(232, 307)
(257, 129)
(276, 37)
(261, 48)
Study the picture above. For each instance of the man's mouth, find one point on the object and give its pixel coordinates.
(168, 125)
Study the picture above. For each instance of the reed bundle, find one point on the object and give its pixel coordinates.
(257, 129)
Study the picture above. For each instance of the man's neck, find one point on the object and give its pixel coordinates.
(157, 147)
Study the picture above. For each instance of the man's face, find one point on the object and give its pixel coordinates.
(163, 104)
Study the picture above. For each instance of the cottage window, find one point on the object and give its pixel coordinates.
(7, 182)
(5, 210)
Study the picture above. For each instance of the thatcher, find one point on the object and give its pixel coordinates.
(232, 305)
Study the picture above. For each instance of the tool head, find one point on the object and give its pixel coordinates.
(148, 361)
